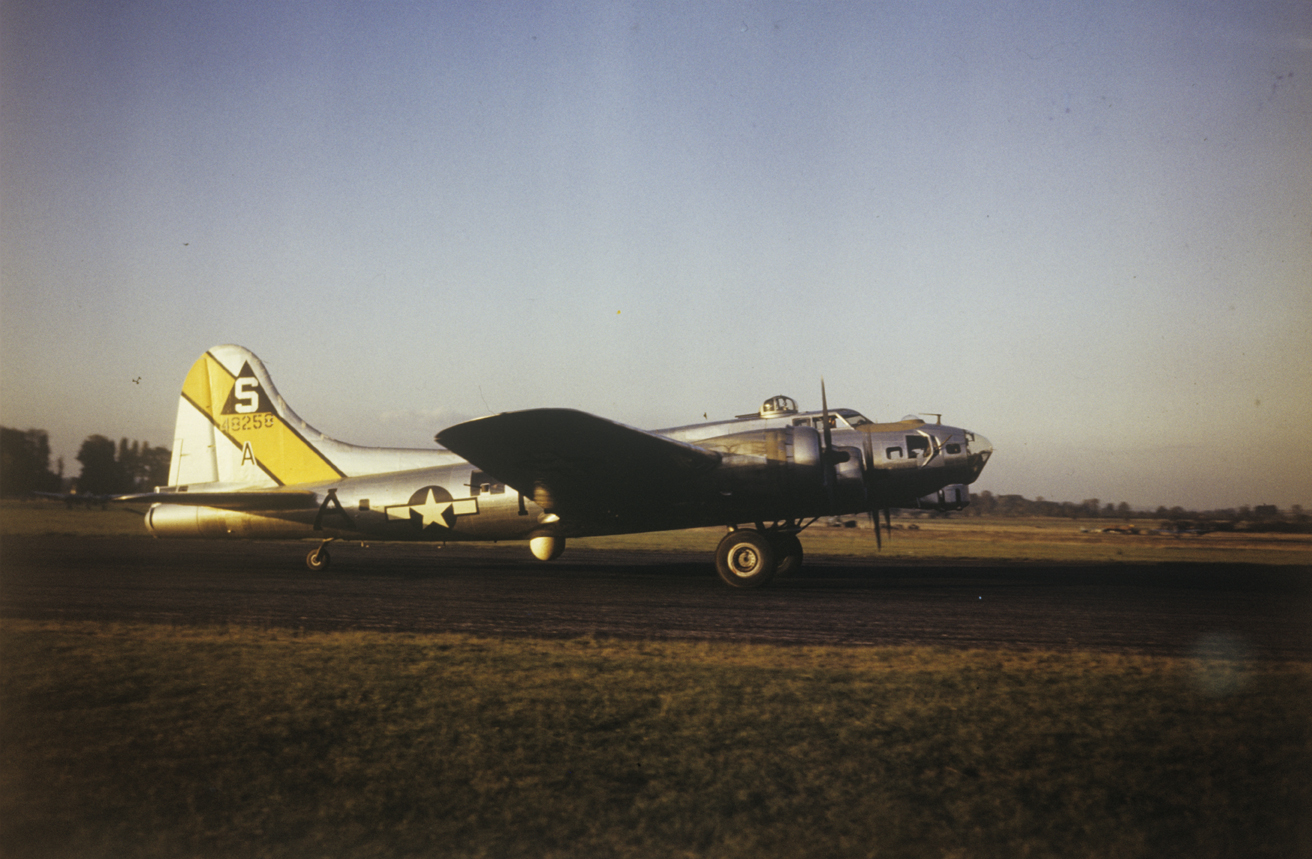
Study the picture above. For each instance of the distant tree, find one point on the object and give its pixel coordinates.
(983, 504)
(25, 462)
(101, 472)
(150, 467)
(1011, 506)
(129, 453)
(131, 466)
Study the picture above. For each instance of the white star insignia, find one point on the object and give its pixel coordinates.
(434, 512)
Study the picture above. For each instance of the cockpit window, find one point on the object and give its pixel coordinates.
(838, 419)
(854, 419)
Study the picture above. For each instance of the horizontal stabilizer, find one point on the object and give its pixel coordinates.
(259, 499)
(573, 462)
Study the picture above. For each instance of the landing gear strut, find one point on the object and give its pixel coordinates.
(790, 553)
(787, 548)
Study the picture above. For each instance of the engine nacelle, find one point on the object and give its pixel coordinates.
(955, 496)
(546, 547)
(781, 462)
(783, 469)
(850, 484)
(797, 446)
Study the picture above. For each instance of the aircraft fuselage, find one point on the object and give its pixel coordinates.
(771, 470)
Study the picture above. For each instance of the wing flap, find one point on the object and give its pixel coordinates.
(571, 462)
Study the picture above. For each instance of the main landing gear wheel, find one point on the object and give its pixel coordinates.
(317, 561)
(746, 559)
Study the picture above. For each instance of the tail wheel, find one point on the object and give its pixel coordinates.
(746, 559)
(317, 561)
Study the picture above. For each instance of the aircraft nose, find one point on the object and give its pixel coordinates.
(980, 450)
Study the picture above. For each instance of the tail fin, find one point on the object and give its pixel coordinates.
(233, 428)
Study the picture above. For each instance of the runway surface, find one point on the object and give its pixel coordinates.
(1173, 609)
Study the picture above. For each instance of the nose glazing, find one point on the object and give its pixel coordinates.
(980, 450)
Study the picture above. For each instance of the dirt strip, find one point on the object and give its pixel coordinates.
(1253, 611)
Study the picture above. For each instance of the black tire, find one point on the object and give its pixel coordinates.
(746, 559)
(789, 551)
(317, 561)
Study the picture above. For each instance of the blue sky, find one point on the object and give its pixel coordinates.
(1083, 232)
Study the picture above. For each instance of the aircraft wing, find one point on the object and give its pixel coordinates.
(254, 499)
(573, 463)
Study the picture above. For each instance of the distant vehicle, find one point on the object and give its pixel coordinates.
(246, 466)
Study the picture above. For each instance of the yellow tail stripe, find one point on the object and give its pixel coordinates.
(278, 449)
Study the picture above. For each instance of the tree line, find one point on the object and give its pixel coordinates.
(1004, 506)
(107, 468)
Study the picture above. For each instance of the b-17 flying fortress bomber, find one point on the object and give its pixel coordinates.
(246, 466)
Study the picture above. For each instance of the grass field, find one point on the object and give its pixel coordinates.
(134, 741)
(142, 741)
(54, 519)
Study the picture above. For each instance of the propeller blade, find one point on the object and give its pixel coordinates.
(824, 406)
(827, 456)
(871, 476)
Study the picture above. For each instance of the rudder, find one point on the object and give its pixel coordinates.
(234, 429)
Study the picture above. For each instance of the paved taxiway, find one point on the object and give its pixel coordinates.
(1264, 612)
